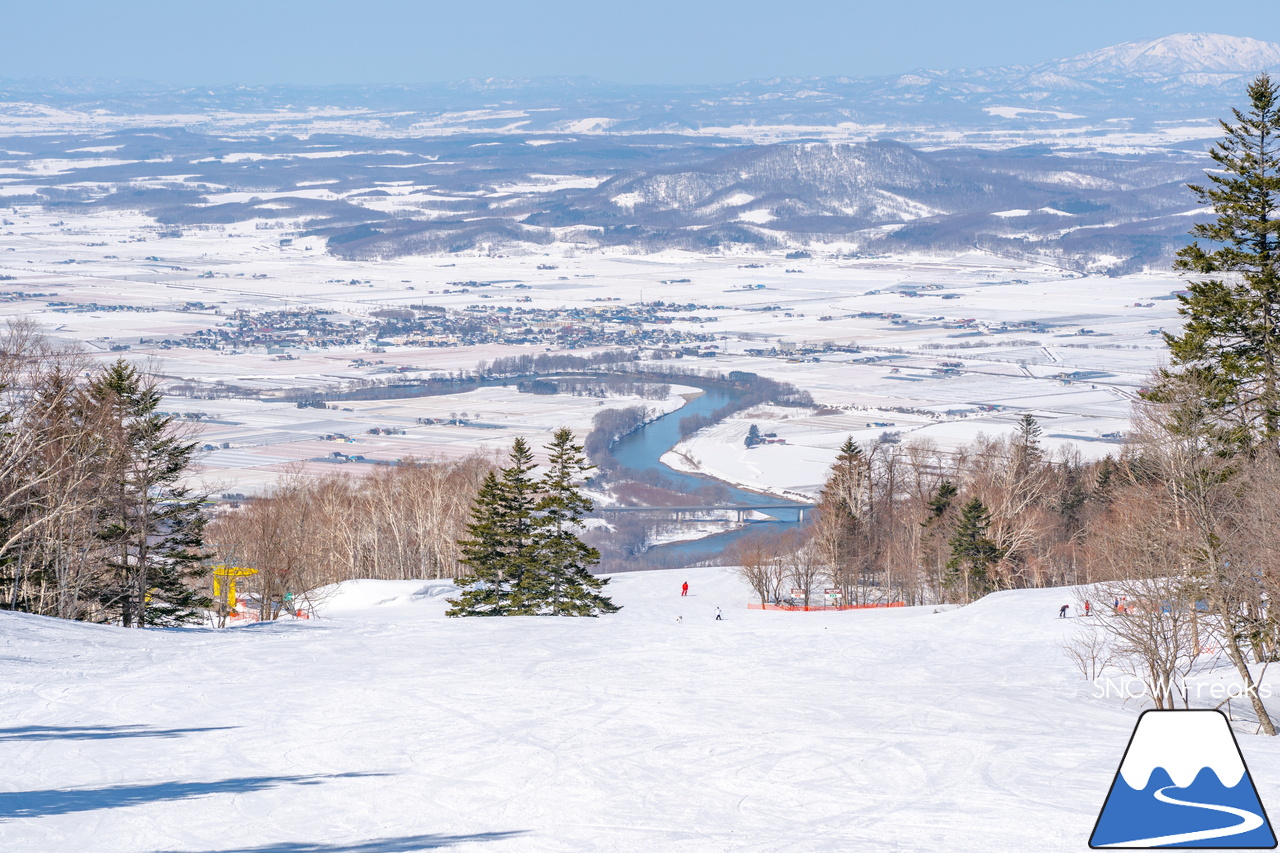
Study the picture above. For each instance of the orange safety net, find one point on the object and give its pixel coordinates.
(823, 607)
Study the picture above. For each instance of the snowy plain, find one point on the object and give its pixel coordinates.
(384, 726)
(1031, 338)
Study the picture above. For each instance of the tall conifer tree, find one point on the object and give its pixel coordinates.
(523, 547)
(487, 592)
(973, 553)
(562, 583)
(1228, 352)
(937, 523)
(843, 525)
(500, 548)
(152, 522)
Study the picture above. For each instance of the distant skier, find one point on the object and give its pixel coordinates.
(1062, 614)
(1088, 609)
(684, 588)
(718, 619)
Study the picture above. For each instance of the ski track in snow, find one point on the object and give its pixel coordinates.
(965, 730)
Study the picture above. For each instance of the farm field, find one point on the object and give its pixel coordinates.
(936, 348)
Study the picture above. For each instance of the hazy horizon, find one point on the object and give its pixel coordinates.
(400, 42)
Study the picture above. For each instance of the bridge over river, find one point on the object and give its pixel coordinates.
(787, 512)
(643, 449)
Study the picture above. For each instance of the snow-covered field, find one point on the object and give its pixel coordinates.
(1027, 337)
(266, 439)
(386, 727)
(1022, 126)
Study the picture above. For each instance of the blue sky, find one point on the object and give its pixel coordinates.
(642, 41)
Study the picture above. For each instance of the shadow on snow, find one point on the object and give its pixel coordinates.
(28, 804)
(29, 733)
(404, 844)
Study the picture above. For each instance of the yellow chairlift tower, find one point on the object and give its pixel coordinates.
(224, 588)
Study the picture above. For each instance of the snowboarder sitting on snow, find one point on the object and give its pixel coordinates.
(1062, 614)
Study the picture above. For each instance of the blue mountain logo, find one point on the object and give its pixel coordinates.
(1183, 783)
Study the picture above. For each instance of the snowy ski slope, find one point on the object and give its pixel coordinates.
(386, 727)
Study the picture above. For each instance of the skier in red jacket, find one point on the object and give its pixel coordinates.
(684, 588)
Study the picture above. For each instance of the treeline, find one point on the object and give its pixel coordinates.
(1173, 543)
(601, 386)
(909, 522)
(754, 390)
(607, 427)
(543, 363)
(381, 388)
(455, 382)
(95, 522)
(398, 522)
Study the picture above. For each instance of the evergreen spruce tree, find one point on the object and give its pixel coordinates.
(1105, 480)
(942, 499)
(849, 483)
(1229, 347)
(1028, 440)
(842, 526)
(562, 583)
(972, 552)
(753, 436)
(152, 524)
(500, 548)
(939, 515)
(487, 592)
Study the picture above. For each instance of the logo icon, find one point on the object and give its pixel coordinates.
(1183, 783)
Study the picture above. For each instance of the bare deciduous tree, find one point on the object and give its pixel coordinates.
(400, 522)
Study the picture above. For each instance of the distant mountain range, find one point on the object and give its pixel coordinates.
(1171, 56)
(1082, 160)
(372, 198)
(1182, 76)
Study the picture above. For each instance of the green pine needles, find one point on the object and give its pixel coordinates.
(973, 553)
(150, 522)
(522, 544)
(1225, 364)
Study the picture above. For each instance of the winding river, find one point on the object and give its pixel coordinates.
(643, 450)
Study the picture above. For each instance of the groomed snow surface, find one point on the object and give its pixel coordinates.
(386, 727)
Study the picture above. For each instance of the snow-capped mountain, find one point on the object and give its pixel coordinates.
(1170, 56)
(1175, 76)
(1084, 159)
(1183, 75)
(874, 182)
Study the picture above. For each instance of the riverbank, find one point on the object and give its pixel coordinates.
(645, 450)
(791, 464)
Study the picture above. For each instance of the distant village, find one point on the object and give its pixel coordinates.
(650, 325)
